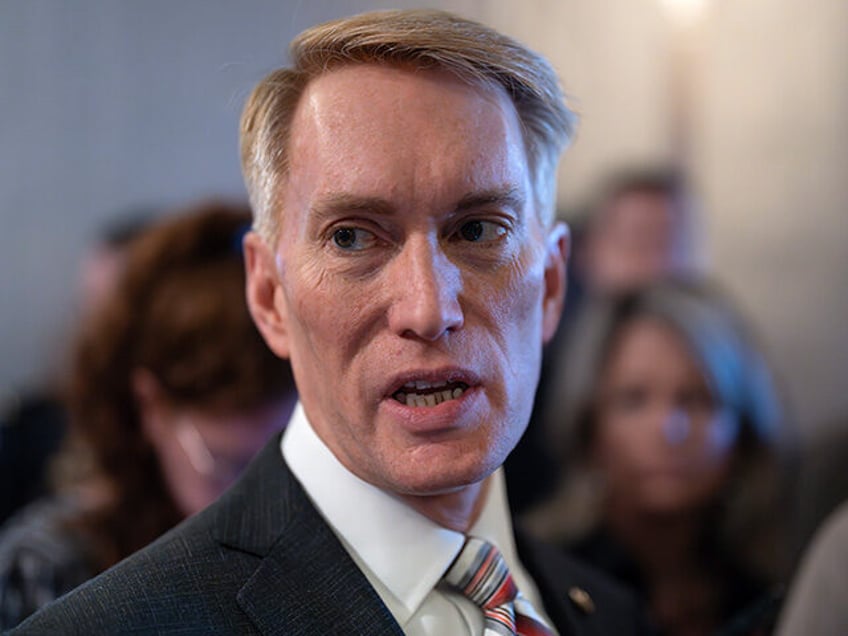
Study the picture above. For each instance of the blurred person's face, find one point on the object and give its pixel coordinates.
(202, 452)
(412, 284)
(636, 241)
(662, 443)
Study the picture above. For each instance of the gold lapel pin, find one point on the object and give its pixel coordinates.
(581, 599)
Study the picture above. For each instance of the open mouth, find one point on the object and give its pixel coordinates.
(429, 394)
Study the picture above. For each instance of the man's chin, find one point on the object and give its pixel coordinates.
(448, 480)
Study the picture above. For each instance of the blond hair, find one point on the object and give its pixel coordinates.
(421, 39)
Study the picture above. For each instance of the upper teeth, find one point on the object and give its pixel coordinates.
(422, 385)
(411, 396)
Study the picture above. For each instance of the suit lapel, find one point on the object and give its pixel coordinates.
(564, 585)
(552, 586)
(305, 582)
(308, 584)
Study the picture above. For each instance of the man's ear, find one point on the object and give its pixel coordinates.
(264, 294)
(557, 248)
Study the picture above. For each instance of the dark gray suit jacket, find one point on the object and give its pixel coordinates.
(262, 560)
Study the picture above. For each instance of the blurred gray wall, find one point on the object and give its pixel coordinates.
(105, 105)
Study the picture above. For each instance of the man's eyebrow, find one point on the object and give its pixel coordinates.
(510, 197)
(337, 202)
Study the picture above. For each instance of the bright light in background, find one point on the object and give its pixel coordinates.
(685, 37)
(685, 12)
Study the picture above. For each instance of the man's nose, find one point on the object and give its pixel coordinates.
(425, 289)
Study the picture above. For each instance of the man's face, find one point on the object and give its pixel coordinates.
(412, 283)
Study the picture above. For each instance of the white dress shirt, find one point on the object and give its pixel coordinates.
(402, 553)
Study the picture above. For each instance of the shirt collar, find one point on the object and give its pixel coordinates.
(404, 550)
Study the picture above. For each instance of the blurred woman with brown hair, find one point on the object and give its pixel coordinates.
(171, 393)
(675, 451)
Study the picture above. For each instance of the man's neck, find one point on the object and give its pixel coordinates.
(457, 510)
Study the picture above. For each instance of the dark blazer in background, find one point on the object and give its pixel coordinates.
(262, 560)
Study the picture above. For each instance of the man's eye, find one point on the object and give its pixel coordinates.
(351, 238)
(481, 231)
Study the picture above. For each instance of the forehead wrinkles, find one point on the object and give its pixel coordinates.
(406, 127)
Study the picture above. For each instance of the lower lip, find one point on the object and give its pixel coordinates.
(445, 417)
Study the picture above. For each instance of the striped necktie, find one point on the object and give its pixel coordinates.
(480, 574)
